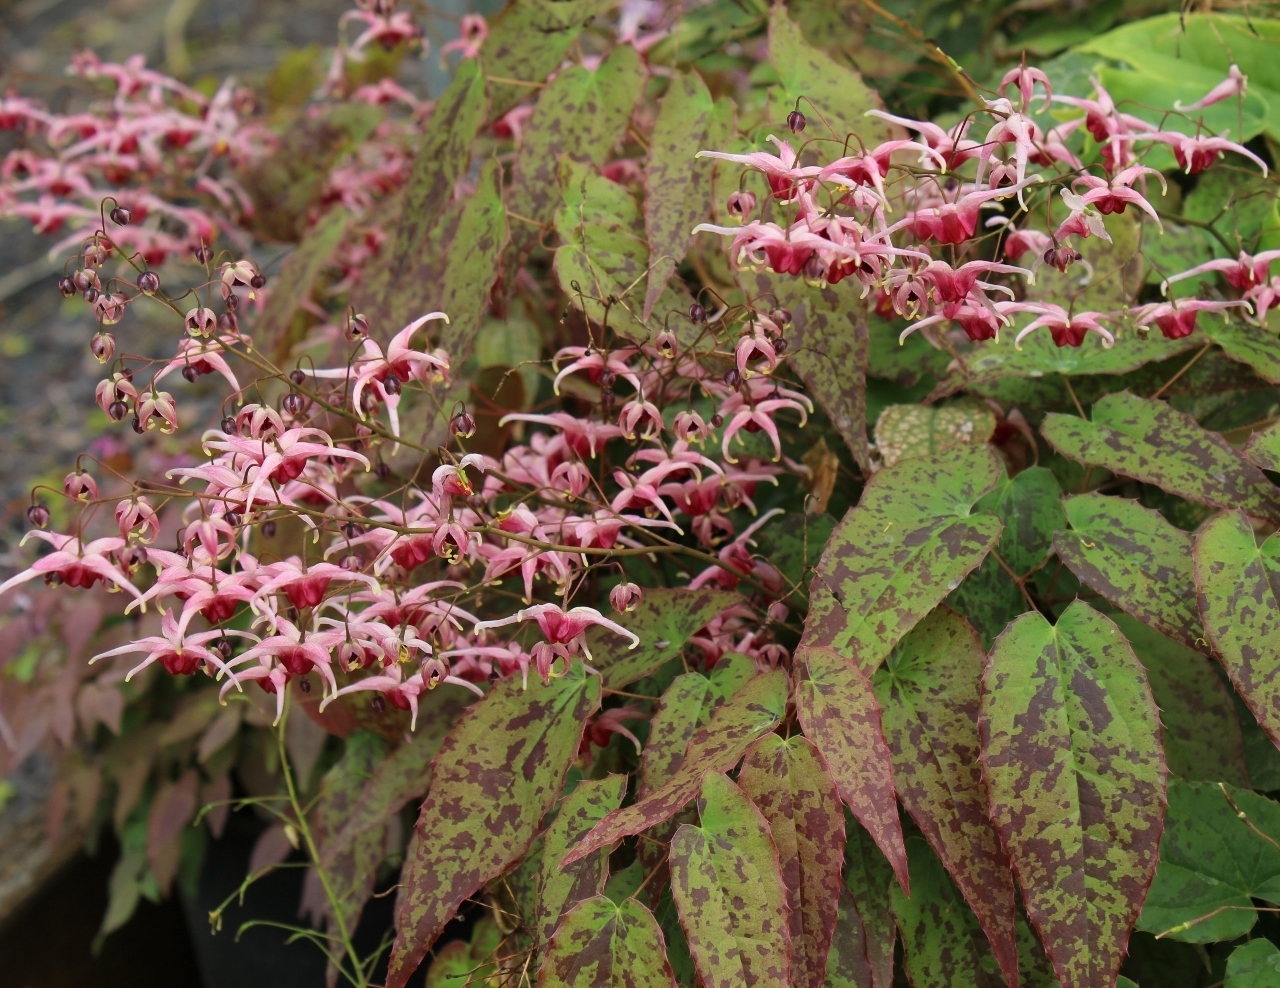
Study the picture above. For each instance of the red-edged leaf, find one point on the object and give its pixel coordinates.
(728, 887)
(754, 710)
(605, 945)
(789, 784)
(868, 877)
(847, 964)
(839, 713)
(497, 774)
(1071, 753)
(930, 691)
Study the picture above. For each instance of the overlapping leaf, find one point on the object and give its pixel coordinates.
(600, 944)
(728, 887)
(1237, 582)
(910, 541)
(1201, 732)
(788, 783)
(1152, 442)
(840, 715)
(1254, 965)
(293, 285)
(752, 711)
(929, 692)
(1134, 558)
(1213, 864)
(1263, 448)
(560, 888)
(1248, 344)
(867, 878)
(497, 773)
(1071, 754)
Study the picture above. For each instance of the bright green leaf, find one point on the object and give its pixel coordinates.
(472, 263)
(1254, 965)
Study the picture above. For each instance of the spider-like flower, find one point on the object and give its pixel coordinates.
(1177, 318)
(403, 693)
(179, 653)
(561, 627)
(76, 563)
(1066, 329)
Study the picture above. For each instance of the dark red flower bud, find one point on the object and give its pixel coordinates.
(38, 515)
(463, 425)
(148, 282)
(90, 295)
(225, 648)
(232, 302)
(780, 346)
(378, 703)
(304, 686)
(121, 216)
(781, 316)
(268, 530)
(608, 379)
(697, 314)
(103, 346)
(608, 398)
(796, 121)
(138, 427)
(351, 530)
(732, 377)
(297, 377)
(257, 281)
(717, 420)
(189, 373)
(814, 269)
(382, 471)
(117, 410)
(229, 426)
(391, 384)
(228, 321)
(67, 287)
(203, 254)
(351, 563)
(293, 403)
(1061, 257)
(234, 518)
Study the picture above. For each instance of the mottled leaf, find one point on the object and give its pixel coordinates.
(847, 964)
(1135, 559)
(1236, 580)
(1246, 343)
(1201, 732)
(839, 714)
(752, 711)
(497, 773)
(1213, 864)
(1253, 965)
(472, 263)
(601, 944)
(292, 286)
(910, 541)
(1071, 754)
(727, 884)
(559, 888)
(664, 622)
(1263, 448)
(1153, 442)
(922, 430)
(929, 692)
(788, 783)
(867, 876)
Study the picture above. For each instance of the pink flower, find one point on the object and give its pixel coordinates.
(76, 564)
(472, 30)
(1026, 80)
(403, 693)
(1235, 84)
(625, 597)
(955, 222)
(781, 170)
(753, 409)
(561, 627)
(1198, 152)
(305, 586)
(952, 144)
(181, 655)
(1114, 195)
(639, 414)
(1067, 330)
(280, 458)
(1177, 319)
(197, 357)
(1244, 273)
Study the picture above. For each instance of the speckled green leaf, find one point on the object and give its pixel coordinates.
(1153, 442)
(664, 622)
(752, 711)
(559, 888)
(1071, 754)
(868, 876)
(1134, 558)
(839, 714)
(929, 692)
(910, 541)
(922, 430)
(847, 964)
(677, 185)
(603, 945)
(472, 263)
(728, 887)
(1201, 732)
(292, 286)
(1237, 581)
(1246, 343)
(827, 345)
(497, 773)
(830, 89)
(529, 40)
(1263, 448)
(686, 706)
(1212, 865)
(408, 277)
(789, 784)
(1254, 965)
(581, 114)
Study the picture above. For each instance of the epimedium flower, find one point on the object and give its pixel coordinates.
(562, 627)
(1177, 318)
(1067, 329)
(76, 563)
(180, 654)
(400, 691)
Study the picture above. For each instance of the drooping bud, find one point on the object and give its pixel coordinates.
(117, 410)
(625, 597)
(268, 530)
(717, 420)
(257, 281)
(229, 425)
(796, 121)
(463, 425)
(666, 343)
(608, 379)
(232, 302)
(780, 346)
(732, 377)
(90, 295)
(391, 384)
(1061, 257)
(228, 321)
(359, 327)
(38, 515)
(200, 321)
(741, 204)
(781, 317)
(203, 254)
(103, 346)
(297, 376)
(304, 686)
(121, 216)
(814, 269)
(778, 612)
(697, 313)
(293, 403)
(67, 287)
(382, 471)
(148, 283)
(234, 518)
(190, 374)
(608, 398)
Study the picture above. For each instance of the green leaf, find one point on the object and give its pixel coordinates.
(677, 945)
(1263, 448)
(839, 714)
(472, 263)
(1071, 755)
(292, 286)
(929, 692)
(1152, 442)
(789, 785)
(497, 773)
(409, 277)
(1254, 965)
(1213, 864)
(559, 888)
(867, 877)
(728, 887)
(601, 944)
(529, 40)
(831, 91)
(665, 620)
(910, 541)
(678, 187)
(923, 430)
(1237, 579)
(847, 965)
(1135, 559)
(581, 114)
(1246, 343)
(754, 710)
(827, 343)
(686, 706)
(1202, 736)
